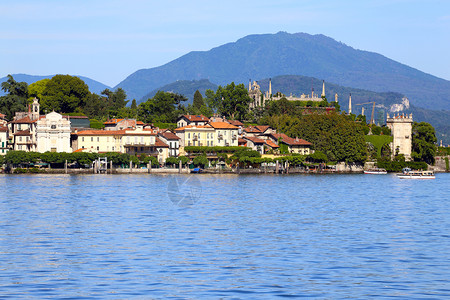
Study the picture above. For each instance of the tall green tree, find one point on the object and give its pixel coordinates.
(423, 142)
(65, 94)
(37, 89)
(15, 99)
(163, 107)
(231, 101)
(198, 100)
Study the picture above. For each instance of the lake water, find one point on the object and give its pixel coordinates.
(224, 236)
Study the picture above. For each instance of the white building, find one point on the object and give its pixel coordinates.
(53, 133)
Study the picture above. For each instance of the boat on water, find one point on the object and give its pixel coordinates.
(375, 171)
(407, 173)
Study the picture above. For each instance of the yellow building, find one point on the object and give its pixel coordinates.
(195, 135)
(225, 134)
(131, 141)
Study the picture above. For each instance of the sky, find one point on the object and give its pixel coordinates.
(109, 40)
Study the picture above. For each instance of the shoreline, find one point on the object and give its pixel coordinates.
(162, 171)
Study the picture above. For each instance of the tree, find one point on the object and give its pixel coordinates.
(15, 99)
(163, 107)
(423, 142)
(115, 100)
(133, 104)
(198, 100)
(37, 89)
(64, 94)
(231, 101)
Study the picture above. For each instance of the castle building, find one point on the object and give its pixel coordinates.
(259, 98)
(401, 130)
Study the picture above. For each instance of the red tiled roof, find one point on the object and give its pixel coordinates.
(254, 140)
(196, 118)
(112, 121)
(235, 123)
(160, 144)
(290, 141)
(169, 135)
(26, 120)
(193, 127)
(23, 133)
(252, 129)
(262, 128)
(222, 125)
(101, 132)
(271, 144)
(242, 142)
(3, 129)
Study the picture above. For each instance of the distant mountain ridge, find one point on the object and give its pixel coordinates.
(94, 86)
(270, 55)
(186, 88)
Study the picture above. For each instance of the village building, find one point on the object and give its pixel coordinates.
(23, 128)
(401, 130)
(53, 133)
(225, 134)
(196, 135)
(3, 121)
(292, 145)
(172, 140)
(120, 124)
(4, 140)
(186, 120)
(130, 141)
(254, 143)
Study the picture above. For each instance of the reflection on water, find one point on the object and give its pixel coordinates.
(127, 236)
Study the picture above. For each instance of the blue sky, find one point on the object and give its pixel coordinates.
(109, 40)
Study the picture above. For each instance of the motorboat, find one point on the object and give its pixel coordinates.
(375, 171)
(407, 173)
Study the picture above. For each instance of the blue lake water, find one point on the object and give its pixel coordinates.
(224, 236)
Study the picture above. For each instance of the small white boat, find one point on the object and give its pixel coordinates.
(410, 174)
(375, 171)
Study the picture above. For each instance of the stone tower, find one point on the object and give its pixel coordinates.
(270, 87)
(35, 109)
(401, 130)
(336, 98)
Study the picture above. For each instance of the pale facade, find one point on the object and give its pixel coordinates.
(192, 135)
(53, 134)
(132, 141)
(401, 130)
(186, 120)
(3, 140)
(225, 134)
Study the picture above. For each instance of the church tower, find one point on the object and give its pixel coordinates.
(35, 109)
(323, 88)
(336, 98)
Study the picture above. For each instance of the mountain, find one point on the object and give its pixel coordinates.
(94, 86)
(270, 55)
(184, 87)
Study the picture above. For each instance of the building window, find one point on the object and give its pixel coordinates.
(53, 126)
(98, 139)
(92, 138)
(82, 139)
(113, 148)
(189, 135)
(98, 148)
